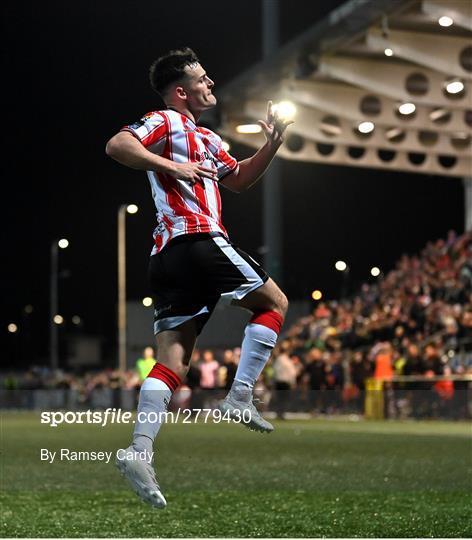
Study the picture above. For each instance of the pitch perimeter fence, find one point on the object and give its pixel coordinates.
(402, 397)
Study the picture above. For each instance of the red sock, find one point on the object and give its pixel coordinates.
(271, 319)
(166, 375)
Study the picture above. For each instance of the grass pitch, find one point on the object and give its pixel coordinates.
(309, 478)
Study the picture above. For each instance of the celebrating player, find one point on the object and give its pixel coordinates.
(193, 263)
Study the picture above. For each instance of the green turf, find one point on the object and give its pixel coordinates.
(309, 478)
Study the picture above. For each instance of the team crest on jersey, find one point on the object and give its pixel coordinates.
(148, 116)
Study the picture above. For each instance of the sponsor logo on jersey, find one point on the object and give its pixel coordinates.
(137, 124)
(203, 156)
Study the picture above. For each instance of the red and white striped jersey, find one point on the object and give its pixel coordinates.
(183, 207)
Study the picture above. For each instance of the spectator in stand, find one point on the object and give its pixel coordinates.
(334, 382)
(432, 361)
(32, 380)
(298, 398)
(383, 371)
(445, 392)
(315, 377)
(209, 378)
(230, 365)
(131, 380)
(433, 367)
(413, 362)
(414, 366)
(383, 358)
(146, 363)
(361, 370)
(285, 378)
(192, 380)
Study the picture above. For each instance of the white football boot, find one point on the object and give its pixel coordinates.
(245, 413)
(141, 476)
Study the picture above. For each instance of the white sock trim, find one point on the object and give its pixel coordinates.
(151, 383)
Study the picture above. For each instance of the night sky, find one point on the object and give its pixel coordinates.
(73, 74)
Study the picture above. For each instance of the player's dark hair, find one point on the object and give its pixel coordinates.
(169, 68)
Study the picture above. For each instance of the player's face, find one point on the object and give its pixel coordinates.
(198, 88)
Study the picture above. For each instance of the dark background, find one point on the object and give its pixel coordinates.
(73, 74)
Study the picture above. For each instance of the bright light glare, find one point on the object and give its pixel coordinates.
(388, 52)
(285, 110)
(438, 114)
(366, 127)
(407, 108)
(147, 302)
(131, 209)
(248, 128)
(63, 243)
(226, 146)
(393, 132)
(445, 21)
(12, 328)
(454, 87)
(58, 319)
(375, 271)
(340, 265)
(316, 295)
(76, 320)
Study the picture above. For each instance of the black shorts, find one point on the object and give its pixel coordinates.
(193, 272)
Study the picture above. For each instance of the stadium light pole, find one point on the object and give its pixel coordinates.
(342, 267)
(122, 211)
(271, 186)
(54, 302)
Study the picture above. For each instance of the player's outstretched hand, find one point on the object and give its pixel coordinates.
(192, 172)
(274, 126)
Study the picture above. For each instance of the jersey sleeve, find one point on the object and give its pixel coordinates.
(225, 163)
(150, 130)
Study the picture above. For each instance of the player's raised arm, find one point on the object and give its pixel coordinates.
(125, 148)
(251, 169)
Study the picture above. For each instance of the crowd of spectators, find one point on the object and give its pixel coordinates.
(415, 321)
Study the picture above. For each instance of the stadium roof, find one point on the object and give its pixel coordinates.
(339, 75)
